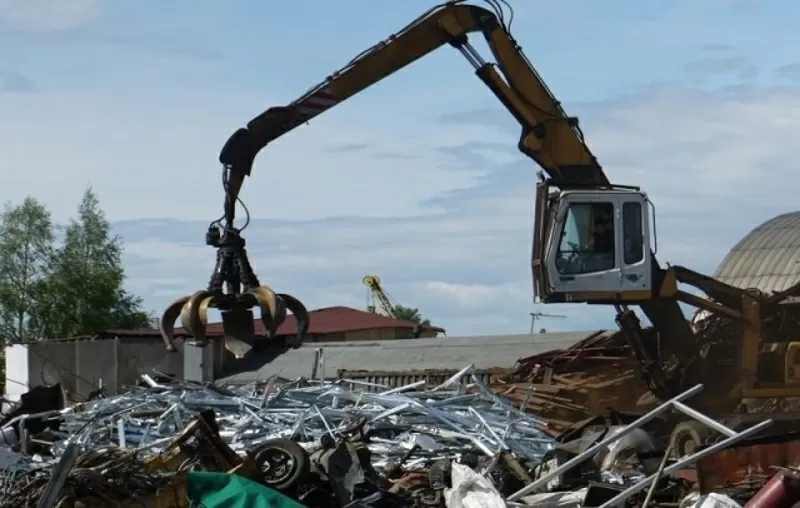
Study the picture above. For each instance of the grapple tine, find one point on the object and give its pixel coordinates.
(237, 323)
(167, 324)
(233, 289)
(273, 309)
(194, 315)
(301, 315)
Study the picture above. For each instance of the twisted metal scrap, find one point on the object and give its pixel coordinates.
(107, 475)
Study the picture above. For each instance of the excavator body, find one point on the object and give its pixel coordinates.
(597, 245)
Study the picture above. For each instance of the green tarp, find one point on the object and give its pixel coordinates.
(222, 490)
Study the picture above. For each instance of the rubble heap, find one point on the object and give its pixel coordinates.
(545, 434)
(401, 428)
(569, 385)
(329, 445)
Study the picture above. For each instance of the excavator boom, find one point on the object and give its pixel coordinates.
(549, 135)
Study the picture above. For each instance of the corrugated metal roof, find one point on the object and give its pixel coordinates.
(768, 258)
(485, 352)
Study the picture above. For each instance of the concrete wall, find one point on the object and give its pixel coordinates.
(16, 382)
(81, 366)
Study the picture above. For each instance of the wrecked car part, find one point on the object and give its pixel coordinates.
(283, 463)
(673, 403)
(688, 436)
(686, 461)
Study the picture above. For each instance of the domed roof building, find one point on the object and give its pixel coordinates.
(767, 258)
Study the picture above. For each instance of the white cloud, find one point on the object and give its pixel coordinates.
(49, 15)
(716, 164)
(475, 296)
(160, 159)
(442, 212)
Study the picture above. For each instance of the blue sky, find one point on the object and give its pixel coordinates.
(417, 179)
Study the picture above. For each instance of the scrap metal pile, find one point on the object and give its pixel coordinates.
(566, 386)
(321, 445)
(569, 385)
(103, 474)
(332, 444)
(289, 428)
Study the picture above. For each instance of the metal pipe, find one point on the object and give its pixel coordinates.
(658, 474)
(633, 489)
(700, 417)
(542, 481)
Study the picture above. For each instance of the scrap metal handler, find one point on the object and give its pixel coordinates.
(550, 137)
(593, 242)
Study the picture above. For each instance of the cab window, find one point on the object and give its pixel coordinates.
(587, 241)
(632, 233)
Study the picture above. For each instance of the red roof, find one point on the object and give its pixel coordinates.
(327, 321)
(324, 321)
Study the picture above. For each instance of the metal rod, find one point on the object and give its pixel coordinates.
(700, 417)
(633, 489)
(404, 388)
(660, 470)
(59, 476)
(543, 480)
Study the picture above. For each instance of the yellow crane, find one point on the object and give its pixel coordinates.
(377, 295)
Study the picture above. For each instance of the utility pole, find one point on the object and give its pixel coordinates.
(540, 315)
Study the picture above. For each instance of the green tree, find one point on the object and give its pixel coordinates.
(84, 293)
(26, 251)
(410, 314)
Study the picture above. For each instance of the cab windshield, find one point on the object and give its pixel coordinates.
(587, 241)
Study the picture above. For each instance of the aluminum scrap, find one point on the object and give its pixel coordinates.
(147, 418)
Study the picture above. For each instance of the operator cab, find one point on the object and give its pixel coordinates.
(592, 245)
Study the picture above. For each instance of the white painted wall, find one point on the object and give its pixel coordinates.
(17, 370)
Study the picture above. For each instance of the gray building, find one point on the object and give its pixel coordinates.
(407, 360)
(114, 362)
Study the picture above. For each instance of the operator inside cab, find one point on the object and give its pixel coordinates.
(587, 240)
(601, 241)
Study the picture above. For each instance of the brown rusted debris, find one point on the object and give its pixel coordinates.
(758, 458)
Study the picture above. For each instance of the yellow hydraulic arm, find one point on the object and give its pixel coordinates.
(549, 135)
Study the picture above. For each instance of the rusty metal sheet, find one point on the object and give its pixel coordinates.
(754, 458)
